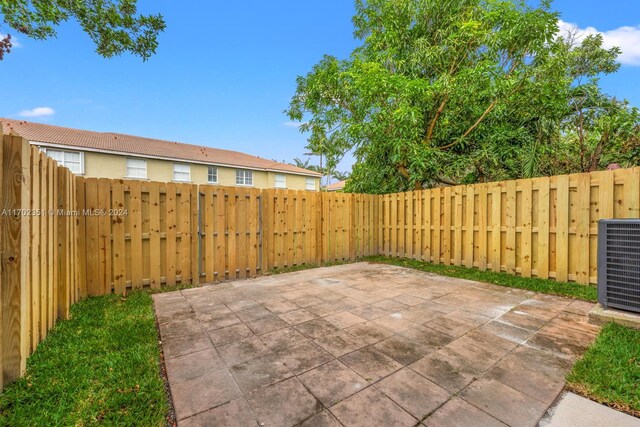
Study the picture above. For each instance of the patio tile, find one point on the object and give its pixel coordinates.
(324, 309)
(369, 332)
(168, 316)
(218, 321)
(211, 310)
(267, 324)
(402, 350)
(330, 296)
(304, 357)
(568, 342)
(458, 413)
(307, 301)
(316, 328)
(390, 306)
(259, 373)
(239, 305)
(513, 372)
(451, 327)
(368, 312)
(394, 322)
(280, 306)
(297, 316)
(283, 338)
(348, 304)
(322, 419)
(185, 344)
(233, 414)
(522, 319)
(344, 319)
(193, 365)
(243, 350)
(475, 354)
(370, 407)
(340, 343)
(202, 393)
(520, 345)
(284, 404)
(409, 300)
(253, 313)
(332, 382)
(370, 364)
(413, 393)
(504, 403)
(507, 331)
(545, 362)
(444, 371)
(188, 326)
(427, 337)
(579, 307)
(229, 334)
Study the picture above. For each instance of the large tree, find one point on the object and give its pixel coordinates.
(114, 25)
(446, 92)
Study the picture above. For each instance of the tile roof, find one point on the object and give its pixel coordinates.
(140, 146)
(336, 186)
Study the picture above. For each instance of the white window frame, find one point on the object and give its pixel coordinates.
(185, 173)
(138, 167)
(209, 174)
(310, 184)
(244, 177)
(62, 161)
(283, 181)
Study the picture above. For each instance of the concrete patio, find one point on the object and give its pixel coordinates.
(366, 344)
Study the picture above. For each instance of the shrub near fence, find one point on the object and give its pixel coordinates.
(96, 236)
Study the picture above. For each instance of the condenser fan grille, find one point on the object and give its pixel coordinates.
(619, 264)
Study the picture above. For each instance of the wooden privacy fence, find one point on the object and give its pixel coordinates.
(63, 237)
(139, 234)
(542, 227)
(39, 257)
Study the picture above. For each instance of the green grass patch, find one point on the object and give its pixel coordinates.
(571, 290)
(609, 371)
(100, 366)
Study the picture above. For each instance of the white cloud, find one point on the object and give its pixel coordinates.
(37, 112)
(627, 38)
(294, 124)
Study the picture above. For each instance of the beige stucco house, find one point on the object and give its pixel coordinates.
(115, 155)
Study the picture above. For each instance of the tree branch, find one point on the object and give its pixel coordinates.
(432, 126)
(475, 125)
(489, 108)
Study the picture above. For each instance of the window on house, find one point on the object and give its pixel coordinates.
(244, 177)
(136, 168)
(72, 160)
(281, 181)
(311, 184)
(212, 176)
(181, 172)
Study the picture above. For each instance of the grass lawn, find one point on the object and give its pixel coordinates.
(609, 372)
(101, 366)
(571, 290)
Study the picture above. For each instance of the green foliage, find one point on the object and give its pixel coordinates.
(101, 366)
(459, 92)
(113, 25)
(609, 372)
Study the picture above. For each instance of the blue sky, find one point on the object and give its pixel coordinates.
(225, 71)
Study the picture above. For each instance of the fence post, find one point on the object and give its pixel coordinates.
(14, 248)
